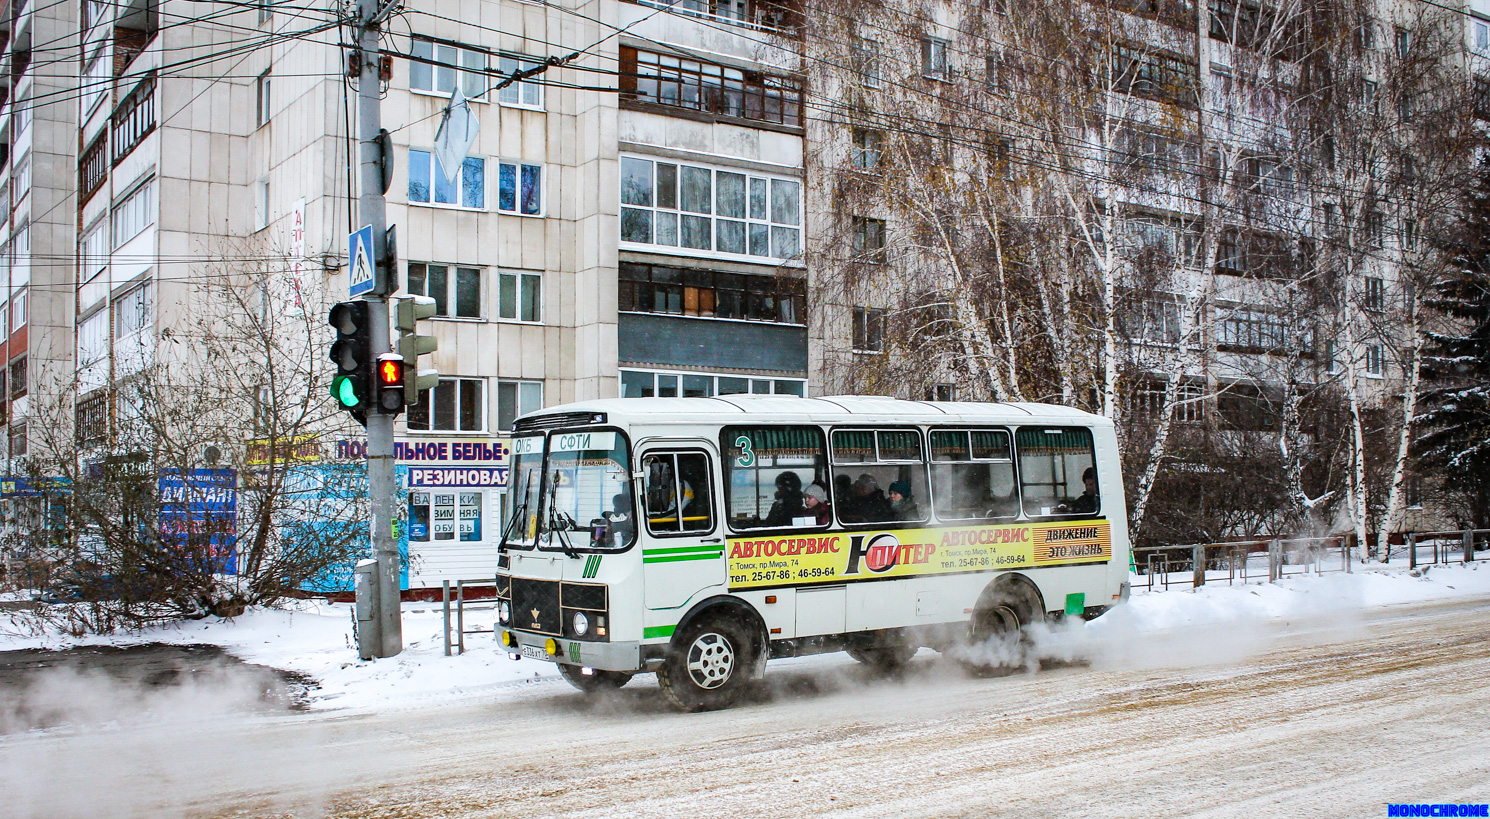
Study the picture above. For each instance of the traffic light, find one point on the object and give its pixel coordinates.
(411, 345)
(353, 357)
(390, 379)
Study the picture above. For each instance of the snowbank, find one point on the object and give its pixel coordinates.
(1216, 623)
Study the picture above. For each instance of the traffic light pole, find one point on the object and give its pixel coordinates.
(386, 639)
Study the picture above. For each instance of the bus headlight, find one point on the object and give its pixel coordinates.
(504, 612)
(581, 624)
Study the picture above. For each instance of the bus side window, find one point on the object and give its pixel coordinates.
(879, 476)
(1054, 465)
(972, 474)
(767, 471)
(677, 492)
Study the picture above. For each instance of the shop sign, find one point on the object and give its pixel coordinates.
(441, 462)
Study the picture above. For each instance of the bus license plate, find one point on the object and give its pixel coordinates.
(534, 653)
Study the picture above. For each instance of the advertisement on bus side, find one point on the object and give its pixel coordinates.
(838, 557)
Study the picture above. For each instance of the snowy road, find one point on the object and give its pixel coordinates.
(1329, 717)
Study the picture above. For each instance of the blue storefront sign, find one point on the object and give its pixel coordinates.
(199, 512)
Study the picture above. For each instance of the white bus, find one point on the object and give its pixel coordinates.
(699, 537)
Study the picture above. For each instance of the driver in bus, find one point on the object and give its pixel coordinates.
(1089, 501)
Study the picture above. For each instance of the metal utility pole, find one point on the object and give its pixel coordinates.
(386, 637)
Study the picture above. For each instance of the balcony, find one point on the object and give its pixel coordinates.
(759, 15)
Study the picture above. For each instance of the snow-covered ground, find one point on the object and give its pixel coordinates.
(1217, 623)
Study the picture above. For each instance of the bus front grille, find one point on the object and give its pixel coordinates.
(535, 605)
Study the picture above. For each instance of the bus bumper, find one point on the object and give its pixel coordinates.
(612, 656)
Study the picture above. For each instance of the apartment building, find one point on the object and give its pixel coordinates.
(629, 224)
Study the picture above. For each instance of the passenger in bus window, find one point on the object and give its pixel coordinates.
(902, 505)
(788, 505)
(815, 501)
(1089, 501)
(869, 503)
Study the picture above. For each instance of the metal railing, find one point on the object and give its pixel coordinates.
(1443, 543)
(1243, 561)
(461, 607)
(1194, 565)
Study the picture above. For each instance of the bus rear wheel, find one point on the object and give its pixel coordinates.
(593, 683)
(708, 665)
(883, 659)
(997, 640)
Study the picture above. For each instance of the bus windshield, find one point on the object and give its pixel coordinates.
(587, 490)
(527, 486)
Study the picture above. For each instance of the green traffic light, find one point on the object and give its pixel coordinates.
(344, 391)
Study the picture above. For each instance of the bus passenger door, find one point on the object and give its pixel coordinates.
(682, 547)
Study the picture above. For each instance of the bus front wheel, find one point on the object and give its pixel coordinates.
(595, 682)
(708, 664)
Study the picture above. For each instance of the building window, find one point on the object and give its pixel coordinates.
(868, 147)
(869, 235)
(1251, 329)
(869, 330)
(1373, 360)
(1155, 320)
(865, 58)
(93, 418)
(453, 64)
(95, 245)
(1374, 297)
(93, 352)
(445, 515)
(135, 213)
(1403, 42)
(1481, 36)
(519, 188)
(261, 100)
(515, 399)
(266, 11)
(662, 79)
(96, 81)
(427, 182)
(654, 384)
(94, 167)
(1409, 234)
(698, 208)
(1373, 228)
(18, 380)
(520, 296)
(941, 392)
(456, 290)
(133, 319)
(1368, 96)
(648, 288)
(135, 119)
(1331, 357)
(523, 93)
(456, 405)
(1142, 72)
(18, 310)
(261, 204)
(934, 58)
(18, 438)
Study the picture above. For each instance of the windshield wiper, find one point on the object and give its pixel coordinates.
(558, 522)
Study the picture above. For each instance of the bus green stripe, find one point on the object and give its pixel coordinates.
(658, 631)
(715, 547)
(676, 558)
